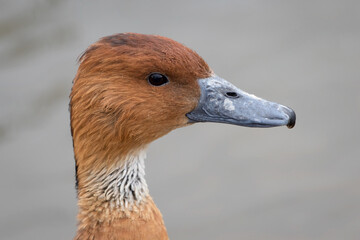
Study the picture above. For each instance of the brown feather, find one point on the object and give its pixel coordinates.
(115, 112)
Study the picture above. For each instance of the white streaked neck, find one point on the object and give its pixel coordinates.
(124, 184)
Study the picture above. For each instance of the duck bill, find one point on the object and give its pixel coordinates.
(222, 102)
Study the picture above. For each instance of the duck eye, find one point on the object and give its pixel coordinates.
(157, 79)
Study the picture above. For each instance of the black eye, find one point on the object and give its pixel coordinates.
(157, 79)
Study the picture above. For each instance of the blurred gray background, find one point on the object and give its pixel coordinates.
(210, 181)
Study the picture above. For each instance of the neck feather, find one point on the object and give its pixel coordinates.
(124, 184)
(115, 202)
(114, 191)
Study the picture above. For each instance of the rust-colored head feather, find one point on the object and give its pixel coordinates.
(114, 109)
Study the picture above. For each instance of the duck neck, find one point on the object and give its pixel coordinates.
(118, 191)
(114, 202)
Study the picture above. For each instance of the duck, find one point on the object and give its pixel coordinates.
(129, 90)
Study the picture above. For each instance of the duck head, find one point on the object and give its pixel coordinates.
(131, 89)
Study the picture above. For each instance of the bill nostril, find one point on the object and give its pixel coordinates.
(231, 94)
